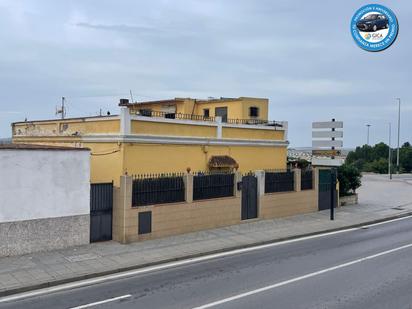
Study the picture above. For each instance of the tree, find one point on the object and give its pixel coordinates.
(375, 158)
(349, 179)
(380, 151)
(405, 157)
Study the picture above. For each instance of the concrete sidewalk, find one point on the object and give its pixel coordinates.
(379, 200)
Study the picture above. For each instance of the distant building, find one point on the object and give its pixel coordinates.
(5, 141)
(169, 136)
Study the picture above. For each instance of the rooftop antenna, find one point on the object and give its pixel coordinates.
(131, 95)
(62, 109)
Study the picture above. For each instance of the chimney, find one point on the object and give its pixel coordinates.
(124, 102)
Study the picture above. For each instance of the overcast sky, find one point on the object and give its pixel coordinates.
(299, 54)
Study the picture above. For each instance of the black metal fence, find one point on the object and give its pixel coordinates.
(158, 189)
(207, 186)
(158, 114)
(306, 181)
(279, 181)
(255, 122)
(150, 113)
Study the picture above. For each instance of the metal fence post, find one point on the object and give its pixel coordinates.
(260, 176)
(332, 193)
(122, 202)
(297, 178)
(188, 181)
(237, 179)
(315, 179)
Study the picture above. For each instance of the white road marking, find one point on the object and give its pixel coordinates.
(109, 300)
(97, 280)
(310, 275)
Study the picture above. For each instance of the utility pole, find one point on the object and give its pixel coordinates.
(131, 95)
(399, 130)
(332, 184)
(367, 136)
(62, 109)
(390, 153)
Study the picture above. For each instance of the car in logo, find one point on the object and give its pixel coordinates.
(373, 22)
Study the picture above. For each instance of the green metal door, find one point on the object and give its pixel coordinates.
(327, 181)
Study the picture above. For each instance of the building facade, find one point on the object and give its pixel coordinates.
(169, 136)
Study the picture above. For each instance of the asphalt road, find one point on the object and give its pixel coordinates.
(361, 268)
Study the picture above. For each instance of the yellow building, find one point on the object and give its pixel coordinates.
(169, 136)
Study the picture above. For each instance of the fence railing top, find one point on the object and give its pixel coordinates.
(157, 175)
(248, 173)
(306, 170)
(182, 116)
(278, 170)
(206, 173)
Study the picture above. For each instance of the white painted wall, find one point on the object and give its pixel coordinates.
(38, 184)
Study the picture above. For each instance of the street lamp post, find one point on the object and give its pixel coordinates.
(367, 135)
(399, 130)
(390, 153)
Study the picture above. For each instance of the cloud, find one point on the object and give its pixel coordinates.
(10, 112)
(300, 55)
(120, 28)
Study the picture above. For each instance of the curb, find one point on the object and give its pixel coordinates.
(128, 268)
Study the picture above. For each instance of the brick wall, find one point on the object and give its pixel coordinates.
(178, 218)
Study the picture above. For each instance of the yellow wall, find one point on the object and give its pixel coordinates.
(252, 134)
(156, 158)
(262, 104)
(106, 162)
(90, 127)
(185, 107)
(109, 160)
(67, 127)
(66, 141)
(236, 109)
(159, 128)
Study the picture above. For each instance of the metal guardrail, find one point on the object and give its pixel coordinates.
(150, 113)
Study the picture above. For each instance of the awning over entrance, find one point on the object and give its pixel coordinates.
(222, 162)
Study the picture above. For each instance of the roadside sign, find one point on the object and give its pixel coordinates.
(326, 143)
(327, 125)
(327, 162)
(327, 134)
(326, 152)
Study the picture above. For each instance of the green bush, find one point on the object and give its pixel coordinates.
(375, 158)
(349, 179)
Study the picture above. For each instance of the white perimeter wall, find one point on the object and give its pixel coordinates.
(37, 184)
